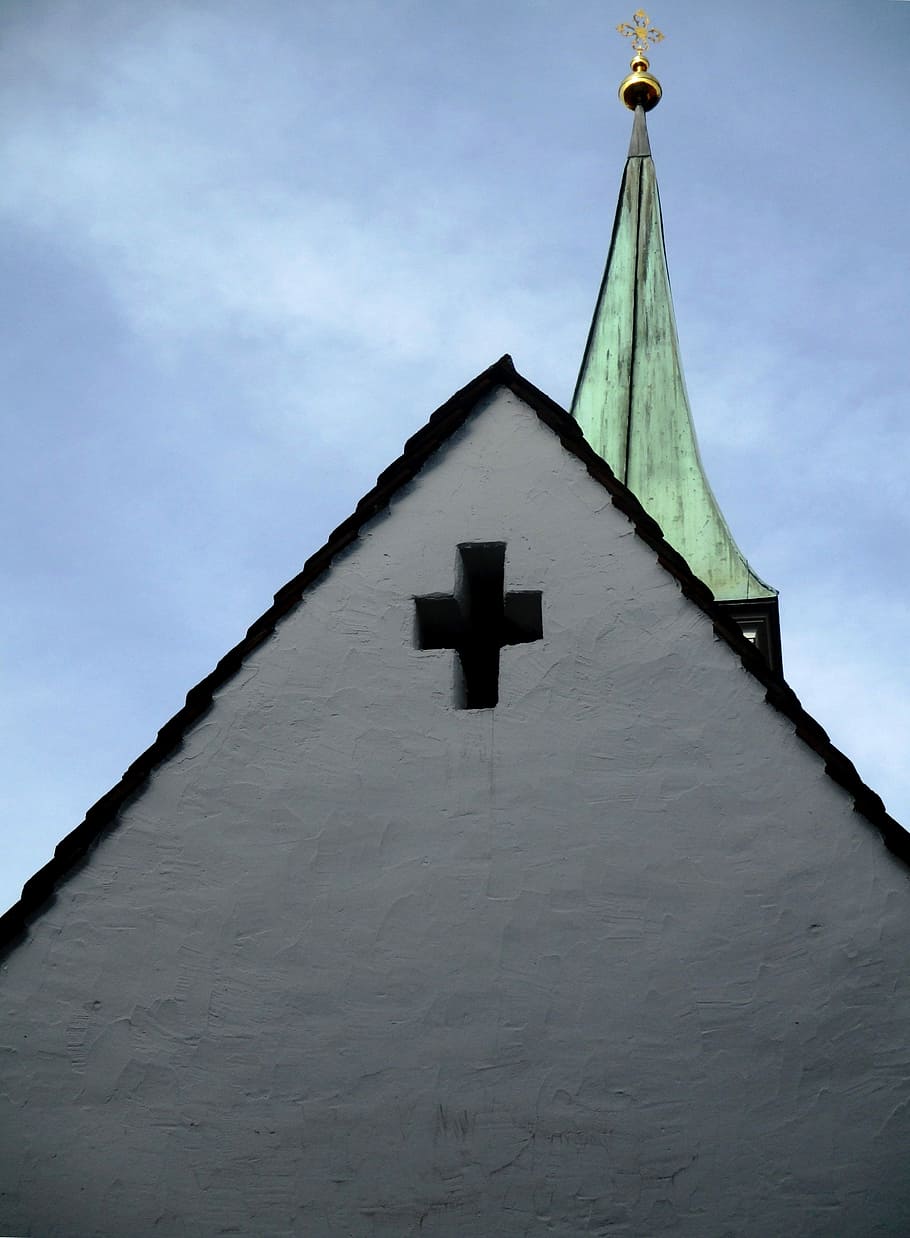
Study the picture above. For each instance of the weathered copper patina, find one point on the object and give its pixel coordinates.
(631, 399)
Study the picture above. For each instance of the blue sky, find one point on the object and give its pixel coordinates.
(247, 247)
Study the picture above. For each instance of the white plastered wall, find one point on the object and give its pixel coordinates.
(614, 958)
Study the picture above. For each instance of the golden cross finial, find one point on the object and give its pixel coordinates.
(640, 88)
(640, 31)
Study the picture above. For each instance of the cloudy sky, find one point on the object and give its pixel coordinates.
(247, 246)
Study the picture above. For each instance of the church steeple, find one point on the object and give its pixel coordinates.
(630, 399)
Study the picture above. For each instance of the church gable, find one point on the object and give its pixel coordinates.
(365, 954)
(420, 450)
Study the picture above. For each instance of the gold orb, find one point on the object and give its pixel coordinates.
(640, 88)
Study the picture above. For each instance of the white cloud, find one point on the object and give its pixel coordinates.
(193, 252)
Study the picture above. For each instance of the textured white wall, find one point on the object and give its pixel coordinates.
(615, 958)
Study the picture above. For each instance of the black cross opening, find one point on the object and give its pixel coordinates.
(478, 620)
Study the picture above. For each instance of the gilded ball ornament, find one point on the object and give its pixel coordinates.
(640, 88)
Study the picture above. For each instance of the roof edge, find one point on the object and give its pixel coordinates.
(100, 818)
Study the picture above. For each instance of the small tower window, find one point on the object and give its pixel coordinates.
(759, 623)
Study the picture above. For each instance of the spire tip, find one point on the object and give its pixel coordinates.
(640, 145)
(640, 89)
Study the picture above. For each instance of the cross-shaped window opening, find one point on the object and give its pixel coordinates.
(477, 621)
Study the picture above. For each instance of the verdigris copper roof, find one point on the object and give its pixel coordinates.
(631, 400)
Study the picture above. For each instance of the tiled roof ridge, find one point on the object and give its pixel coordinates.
(39, 889)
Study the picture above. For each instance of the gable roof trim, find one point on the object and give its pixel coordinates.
(101, 817)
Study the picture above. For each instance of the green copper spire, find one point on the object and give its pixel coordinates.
(631, 400)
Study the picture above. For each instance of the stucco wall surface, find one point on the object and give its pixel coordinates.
(613, 958)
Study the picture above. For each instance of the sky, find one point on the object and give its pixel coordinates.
(248, 246)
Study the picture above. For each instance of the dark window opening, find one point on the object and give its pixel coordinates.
(759, 622)
(478, 620)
